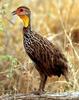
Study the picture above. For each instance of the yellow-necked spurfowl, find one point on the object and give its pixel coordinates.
(49, 60)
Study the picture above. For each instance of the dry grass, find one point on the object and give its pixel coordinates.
(52, 19)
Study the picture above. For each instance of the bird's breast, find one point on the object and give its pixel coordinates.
(28, 45)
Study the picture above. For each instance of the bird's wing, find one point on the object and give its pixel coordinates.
(49, 59)
(45, 51)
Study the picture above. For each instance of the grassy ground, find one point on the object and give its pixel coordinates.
(53, 19)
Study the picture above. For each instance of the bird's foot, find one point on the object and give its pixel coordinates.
(38, 92)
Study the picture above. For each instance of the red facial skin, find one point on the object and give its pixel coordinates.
(20, 11)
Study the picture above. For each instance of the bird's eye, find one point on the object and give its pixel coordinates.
(21, 10)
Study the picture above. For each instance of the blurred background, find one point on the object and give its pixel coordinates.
(58, 21)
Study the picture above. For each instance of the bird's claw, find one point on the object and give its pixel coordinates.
(38, 92)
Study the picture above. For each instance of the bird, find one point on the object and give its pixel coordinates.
(49, 60)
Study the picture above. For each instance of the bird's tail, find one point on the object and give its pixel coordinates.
(66, 75)
(66, 72)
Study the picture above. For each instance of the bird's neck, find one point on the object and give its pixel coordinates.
(27, 30)
(26, 34)
(27, 25)
(26, 20)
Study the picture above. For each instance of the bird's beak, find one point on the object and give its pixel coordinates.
(14, 13)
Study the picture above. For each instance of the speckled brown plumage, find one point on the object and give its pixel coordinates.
(48, 58)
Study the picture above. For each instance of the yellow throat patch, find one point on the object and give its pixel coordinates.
(25, 19)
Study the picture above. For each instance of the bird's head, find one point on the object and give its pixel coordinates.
(24, 13)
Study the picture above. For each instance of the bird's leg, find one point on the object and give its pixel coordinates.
(42, 84)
